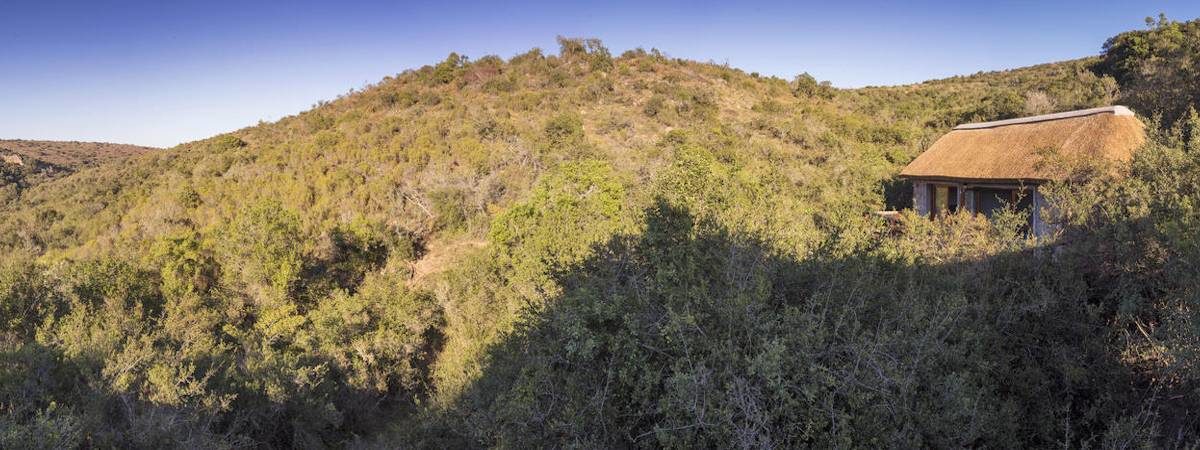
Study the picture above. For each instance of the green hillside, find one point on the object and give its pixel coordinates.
(588, 250)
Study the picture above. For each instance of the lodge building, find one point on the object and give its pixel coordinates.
(982, 167)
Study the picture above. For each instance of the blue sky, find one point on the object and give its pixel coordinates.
(160, 72)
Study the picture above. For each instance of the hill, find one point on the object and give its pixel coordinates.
(432, 153)
(25, 163)
(597, 251)
(70, 155)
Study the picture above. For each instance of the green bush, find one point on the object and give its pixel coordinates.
(590, 50)
(564, 130)
(1154, 67)
(654, 106)
(226, 142)
(449, 209)
(807, 86)
(447, 71)
(259, 250)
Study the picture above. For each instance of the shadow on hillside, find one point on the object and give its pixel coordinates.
(897, 194)
(58, 400)
(690, 335)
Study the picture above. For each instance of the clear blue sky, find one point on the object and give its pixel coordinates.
(162, 72)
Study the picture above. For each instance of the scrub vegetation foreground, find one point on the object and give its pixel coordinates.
(613, 251)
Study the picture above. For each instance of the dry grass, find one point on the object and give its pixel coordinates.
(440, 258)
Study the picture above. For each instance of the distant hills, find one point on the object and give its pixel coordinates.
(28, 163)
(70, 155)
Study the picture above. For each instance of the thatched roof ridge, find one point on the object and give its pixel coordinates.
(1116, 110)
(1013, 150)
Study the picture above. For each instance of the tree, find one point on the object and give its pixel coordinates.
(806, 85)
(1156, 67)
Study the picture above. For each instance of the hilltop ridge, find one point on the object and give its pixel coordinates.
(463, 133)
(71, 155)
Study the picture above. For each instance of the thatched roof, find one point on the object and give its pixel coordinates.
(1014, 149)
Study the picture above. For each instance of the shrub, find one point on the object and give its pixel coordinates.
(448, 70)
(590, 50)
(564, 131)
(258, 249)
(806, 85)
(380, 342)
(1153, 68)
(654, 106)
(449, 209)
(226, 142)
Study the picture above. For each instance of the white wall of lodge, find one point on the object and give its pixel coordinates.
(928, 200)
(921, 197)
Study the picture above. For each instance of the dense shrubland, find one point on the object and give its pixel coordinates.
(665, 254)
(1157, 67)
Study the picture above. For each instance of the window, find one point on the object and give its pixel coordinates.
(987, 200)
(943, 199)
(990, 200)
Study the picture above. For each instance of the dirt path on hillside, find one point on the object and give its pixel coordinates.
(439, 257)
